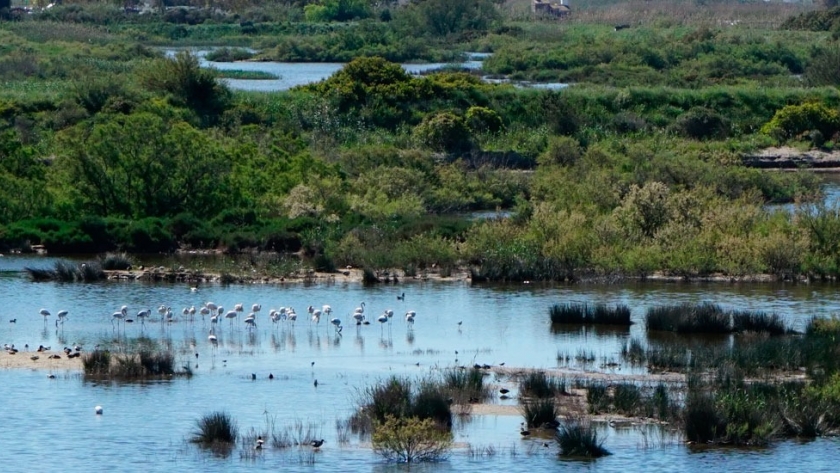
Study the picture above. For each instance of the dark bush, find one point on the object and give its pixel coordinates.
(701, 123)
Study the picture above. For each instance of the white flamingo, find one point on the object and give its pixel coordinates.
(251, 320)
(46, 314)
(337, 324)
(316, 316)
(239, 308)
(118, 316)
(383, 319)
(143, 314)
(361, 308)
(62, 314)
(409, 317)
(327, 310)
(230, 316)
(256, 308)
(359, 317)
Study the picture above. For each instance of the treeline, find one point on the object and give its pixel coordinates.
(112, 146)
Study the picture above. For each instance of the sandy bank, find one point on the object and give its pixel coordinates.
(42, 361)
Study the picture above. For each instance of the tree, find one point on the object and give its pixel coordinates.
(188, 85)
(411, 440)
(444, 131)
(337, 10)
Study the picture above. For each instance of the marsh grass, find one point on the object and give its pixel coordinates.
(541, 412)
(583, 313)
(704, 317)
(400, 398)
(762, 322)
(537, 384)
(65, 271)
(465, 385)
(216, 430)
(143, 364)
(578, 438)
(116, 262)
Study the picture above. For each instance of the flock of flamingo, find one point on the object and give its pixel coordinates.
(217, 313)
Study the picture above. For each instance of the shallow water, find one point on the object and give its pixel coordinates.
(50, 424)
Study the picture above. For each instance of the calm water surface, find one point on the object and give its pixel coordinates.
(49, 424)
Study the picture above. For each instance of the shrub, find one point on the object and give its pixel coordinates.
(410, 440)
(748, 321)
(577, 313)
(465, 385)
(215, 429)
(578, 438)
(701, 123)
(794, 120)
(443, 132)
(116, 261)
(96, 362)
(483, 120)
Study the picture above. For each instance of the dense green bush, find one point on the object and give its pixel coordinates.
(793, 120)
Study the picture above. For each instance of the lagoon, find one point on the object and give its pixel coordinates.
(145, 425)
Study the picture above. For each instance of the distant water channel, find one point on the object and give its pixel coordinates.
(49, 424)
(293, 74)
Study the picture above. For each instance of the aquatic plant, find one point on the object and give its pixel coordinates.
(116, 261)
(578, 438)
(66, 271)
(96, 362)
(583, 313)
(144, 363)
(704, 317)
(400, 398)
(465, 385)
(215, 429)
(756, 321)
(541, 412)
(539, 385)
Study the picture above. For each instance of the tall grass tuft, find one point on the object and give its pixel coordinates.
(157, 363)
(749, 321)
(688, 318)
(539, 385)
(116, 262)
(582, 313)
(97, 362)
(215, 429)
(464, 386)
(541, 413)
(577, 438)
(65, 271)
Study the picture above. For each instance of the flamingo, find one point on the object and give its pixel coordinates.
(361, 308)
(239, 308)
(46, 314)
(143, 314)
(211, 306)
(62, 314)
(291, 316)
(337, 324)
(117, 316)
(256, 308)
(251, 321)
(382, 319)
(316, 316)
(326, 310)
(212, 337)
(359, 317)
(230, 316)
(409, 318)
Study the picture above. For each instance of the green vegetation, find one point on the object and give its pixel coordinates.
(541, 412)
(216, 431)
(539, 385)
(143, 364)
(411, 440)
(636, 169)
(576, 313)
(578, 438)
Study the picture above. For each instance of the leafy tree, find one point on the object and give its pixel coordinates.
(337, 10)
(411, 440)
(443, 131)
(188, 85)
(139, 165)
(445, 17)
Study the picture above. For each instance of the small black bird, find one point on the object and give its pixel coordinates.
(401, 297)
(270, 376)
(318, 443)
(12, 321)
(253, 376)
(316, 383)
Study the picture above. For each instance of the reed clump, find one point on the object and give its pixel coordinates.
(400, 398)
(465, 385)
(217, 430)
(144, 364)
(704, 317)
(65, 271)
(583, 313)
(539, 385)
(578, 438)
(541, 412)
